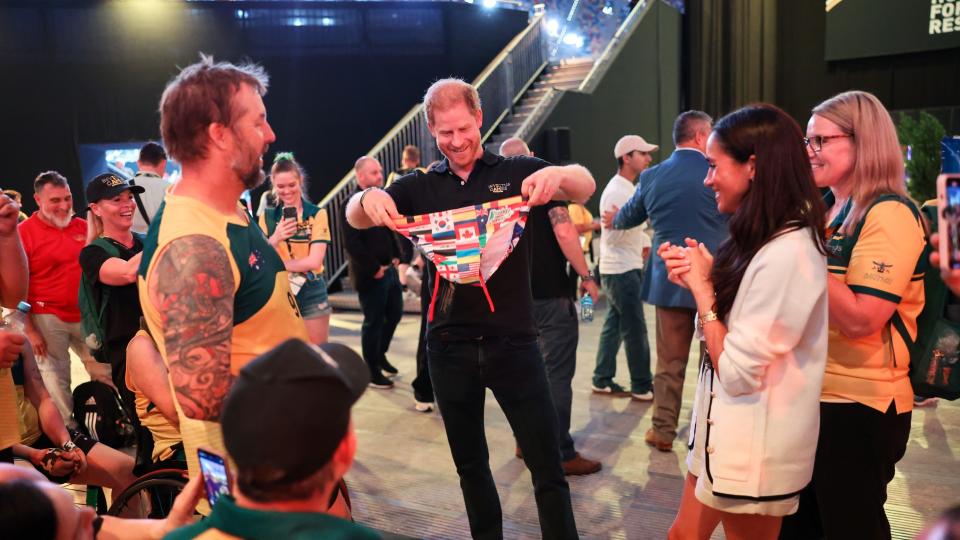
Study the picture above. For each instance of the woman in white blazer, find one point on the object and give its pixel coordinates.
(762, 306)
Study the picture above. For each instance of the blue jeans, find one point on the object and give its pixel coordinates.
(511, 367)
(312, 298)
(624, 322)
(559, 330)
(382, 306)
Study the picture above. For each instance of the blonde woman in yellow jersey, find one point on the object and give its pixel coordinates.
(874, 241)
(301, 242)
(214, 292)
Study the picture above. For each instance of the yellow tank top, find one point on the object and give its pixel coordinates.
(165, 434)
(9, 418)
(264, 312)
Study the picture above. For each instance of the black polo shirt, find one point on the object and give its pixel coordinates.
(461, 311)
(549, 272)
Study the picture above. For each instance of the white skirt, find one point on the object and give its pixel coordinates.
(696, 465)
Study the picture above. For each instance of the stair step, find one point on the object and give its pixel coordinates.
(572, 62)
(571, 69)
(565, 85)
(559, 80)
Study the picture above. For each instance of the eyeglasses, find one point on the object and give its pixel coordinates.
(816, 142)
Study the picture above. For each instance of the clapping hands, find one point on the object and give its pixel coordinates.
(688, 266)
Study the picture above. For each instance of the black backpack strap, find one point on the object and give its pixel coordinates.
(140, 207)
(113, 251)
(896, 322)
(889, 197)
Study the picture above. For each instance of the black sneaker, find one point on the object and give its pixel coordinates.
(379, 381)
(388, 367)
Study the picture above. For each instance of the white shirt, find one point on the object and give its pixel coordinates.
(156, 190)
(620, 250)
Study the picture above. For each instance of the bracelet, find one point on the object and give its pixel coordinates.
(365, 194)
(709, 316)
(589, 277)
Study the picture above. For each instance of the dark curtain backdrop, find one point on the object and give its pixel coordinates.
(731, 51)
(342, 73)
(741, 51)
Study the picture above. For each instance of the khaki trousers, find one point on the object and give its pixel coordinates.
(674, 333)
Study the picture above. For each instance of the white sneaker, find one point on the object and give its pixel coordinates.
(423, 406)
(646, 396)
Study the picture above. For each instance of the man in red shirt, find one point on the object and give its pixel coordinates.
(52, 238)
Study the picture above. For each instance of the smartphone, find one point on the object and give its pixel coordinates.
(290, 212)
(948, 203)
(214, 471)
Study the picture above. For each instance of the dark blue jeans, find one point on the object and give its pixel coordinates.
(511, 367)
(624, 322)
(559, 330)
(382, 306)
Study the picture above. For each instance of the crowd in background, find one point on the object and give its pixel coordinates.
(790, 256)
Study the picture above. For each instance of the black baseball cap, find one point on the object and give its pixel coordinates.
(108, 186)
(289, 408)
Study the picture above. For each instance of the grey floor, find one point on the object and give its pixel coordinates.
(404, 481)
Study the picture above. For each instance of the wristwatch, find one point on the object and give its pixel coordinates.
(69, 446)
(589, 277)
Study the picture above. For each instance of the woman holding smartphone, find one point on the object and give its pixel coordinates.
(762, 306)
(875, 240)
(300, 232)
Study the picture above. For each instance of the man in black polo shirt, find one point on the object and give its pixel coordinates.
(471, 347)
(372, 256)
(554, 242)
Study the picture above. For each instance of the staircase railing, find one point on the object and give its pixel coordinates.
(534, 121)
(500, 85)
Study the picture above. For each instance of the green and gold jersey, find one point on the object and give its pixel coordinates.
(313, 226)
(883, 260)
(264, 311)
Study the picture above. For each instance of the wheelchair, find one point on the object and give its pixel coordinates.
(157, 485)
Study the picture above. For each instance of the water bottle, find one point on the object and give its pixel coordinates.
(16, 321)
(586, 308)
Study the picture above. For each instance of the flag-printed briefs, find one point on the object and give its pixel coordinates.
(468, 244)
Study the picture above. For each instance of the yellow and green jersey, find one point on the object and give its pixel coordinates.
(883, 260)
(264, 311)
(165, 435)
(313, 227)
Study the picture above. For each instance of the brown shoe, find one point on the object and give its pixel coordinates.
(653, 440)
(518, 453)
(580, 465)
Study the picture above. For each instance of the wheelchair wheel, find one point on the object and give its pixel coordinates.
(150, 496)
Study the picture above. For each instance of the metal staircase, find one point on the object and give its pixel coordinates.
(564, 75)
(518, 90)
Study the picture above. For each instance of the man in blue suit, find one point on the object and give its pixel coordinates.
(673, 197)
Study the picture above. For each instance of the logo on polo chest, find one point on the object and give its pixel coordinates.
(499, 188)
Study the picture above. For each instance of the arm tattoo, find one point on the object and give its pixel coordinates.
(558, 215)
(193, 292)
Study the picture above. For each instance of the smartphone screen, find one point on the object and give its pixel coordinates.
(214, 471)
(289, 212)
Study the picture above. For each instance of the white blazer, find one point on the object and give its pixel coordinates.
(763, 409)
